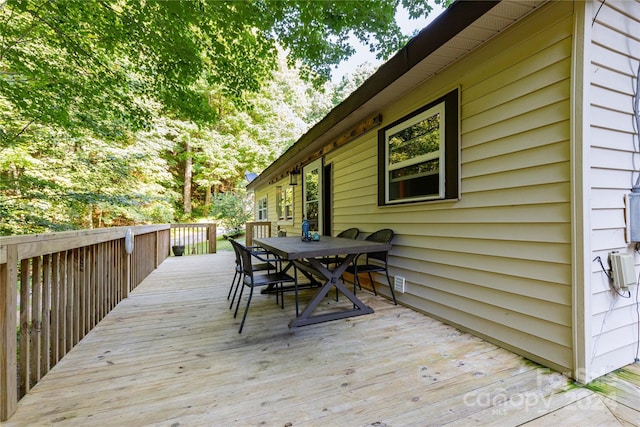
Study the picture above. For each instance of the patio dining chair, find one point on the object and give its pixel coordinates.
(266, 262)
(380, 262)
(252, 280)
(349, 233)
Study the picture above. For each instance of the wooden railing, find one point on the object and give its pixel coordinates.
(196, 238)
(257, 229)
(60, 285)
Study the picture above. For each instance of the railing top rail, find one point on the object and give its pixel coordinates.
(198, 225)
(31, 245)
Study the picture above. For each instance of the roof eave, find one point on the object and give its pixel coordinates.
(446, 26)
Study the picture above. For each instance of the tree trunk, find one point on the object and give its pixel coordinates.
(188, 173)
(207, 201)
(96, 216)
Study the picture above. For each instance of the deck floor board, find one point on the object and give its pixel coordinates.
(171, 355)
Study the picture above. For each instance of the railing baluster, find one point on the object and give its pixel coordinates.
(83, 293)
(25, 348)
(46, 316)
(100, 279)
(69, 303)
(93, 309)
(62, 335)
(36, 323)
(197, 238)
(75, 316)
(55, 308)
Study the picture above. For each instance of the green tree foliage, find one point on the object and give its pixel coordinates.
(57, 181)
(351, 82)
(89, 64)
(241, 140)
(99, 100)
(232, 209)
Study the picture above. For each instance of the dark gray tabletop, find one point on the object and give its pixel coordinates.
(294, 248)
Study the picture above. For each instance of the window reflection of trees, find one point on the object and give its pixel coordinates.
(311, 183)
(311, 179)
(421, 169)
(312, 215)
(284, 203)
(416, 140)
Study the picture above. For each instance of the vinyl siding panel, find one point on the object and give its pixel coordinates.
(497, 262)
(607, 138)
(615, 52)
(271, 193)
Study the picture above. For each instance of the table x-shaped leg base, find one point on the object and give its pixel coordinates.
(332, 279)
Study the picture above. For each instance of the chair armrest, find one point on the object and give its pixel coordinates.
(263, 254)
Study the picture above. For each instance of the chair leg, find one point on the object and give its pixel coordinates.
(373, 284)
(235, 314)
(393, 294)
(236, 291)
(246, 310)
(232, 283)
(355, 278)
(281, 295)
(297, 304)
(295, 287)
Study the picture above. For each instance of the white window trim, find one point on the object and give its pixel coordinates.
(317, 164)
(283, 189)
(437, 109)
(263, 210)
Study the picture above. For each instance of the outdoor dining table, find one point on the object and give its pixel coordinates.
(307, 256)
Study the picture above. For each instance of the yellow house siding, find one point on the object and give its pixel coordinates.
(272, 214)
(509, 338)
(615, 54)
(498, 261)
(357, 164)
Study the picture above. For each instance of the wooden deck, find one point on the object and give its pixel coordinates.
(171, 355)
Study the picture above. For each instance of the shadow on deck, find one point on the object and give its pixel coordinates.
(171, 355)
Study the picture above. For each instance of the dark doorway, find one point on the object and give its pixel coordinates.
(327, 174)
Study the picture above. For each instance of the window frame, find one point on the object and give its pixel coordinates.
(262, 212)
(281, 192)
(448, 152)
(317, 166)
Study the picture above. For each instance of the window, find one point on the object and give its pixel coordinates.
(284, 203)
(262, 209)
(312, 194)
(418, 155)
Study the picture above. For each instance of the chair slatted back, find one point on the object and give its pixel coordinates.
(349, 233)
(381, 236)
(245, 256)
(236, 249)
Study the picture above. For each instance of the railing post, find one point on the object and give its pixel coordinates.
(211, 236)
(8, 342)
(248, 236)
(257, 229)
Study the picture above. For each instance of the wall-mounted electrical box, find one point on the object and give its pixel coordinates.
(623, 270)
(632, 202)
